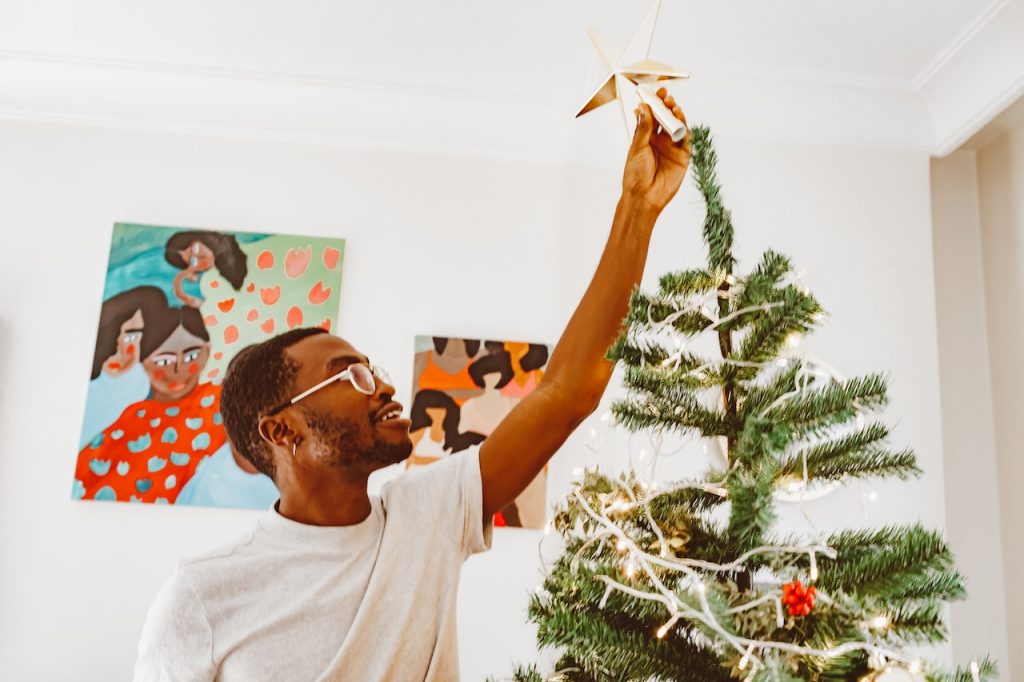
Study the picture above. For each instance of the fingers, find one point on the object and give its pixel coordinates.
(674, 107)
(674, 152)
(644, 129)
(670, 102)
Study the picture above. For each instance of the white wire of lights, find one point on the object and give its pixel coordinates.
(642, 560)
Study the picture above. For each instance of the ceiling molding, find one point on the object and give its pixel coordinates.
(1009, 118)
(806, 76)
(978, 80)
(227, 132)
(932, 69)
(968, 128)
(297, 108)
(408, 88)
(935, 111)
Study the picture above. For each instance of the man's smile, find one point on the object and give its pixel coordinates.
(391, 415)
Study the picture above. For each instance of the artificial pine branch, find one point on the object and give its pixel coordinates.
(686, 284)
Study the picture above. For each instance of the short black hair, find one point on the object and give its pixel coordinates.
(259, 377)
(535, 358)
(117, 310)
(500, 362)
(228, 257)
(432, 398)
(441, 342)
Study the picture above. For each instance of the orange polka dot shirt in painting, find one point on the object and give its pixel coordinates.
(152, 450)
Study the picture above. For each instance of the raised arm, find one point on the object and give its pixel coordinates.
(578, 372)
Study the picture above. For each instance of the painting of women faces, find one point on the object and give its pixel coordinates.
(178, 305)
(462, 389)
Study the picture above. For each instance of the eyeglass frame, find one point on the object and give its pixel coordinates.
(376, 372)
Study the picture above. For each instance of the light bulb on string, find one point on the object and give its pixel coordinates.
(745, 659)
(879, 622)
(663, 630)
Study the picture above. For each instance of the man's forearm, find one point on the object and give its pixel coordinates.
(578, 367)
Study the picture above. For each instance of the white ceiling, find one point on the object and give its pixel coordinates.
(508, 45)
(505, 50)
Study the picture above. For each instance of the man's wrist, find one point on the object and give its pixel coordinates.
(638, 210)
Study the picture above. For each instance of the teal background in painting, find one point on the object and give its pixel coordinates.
(137, 258)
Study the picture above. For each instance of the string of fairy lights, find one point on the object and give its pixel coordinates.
(641, 566)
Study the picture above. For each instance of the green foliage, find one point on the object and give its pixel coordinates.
(718, 230)
(635, 557)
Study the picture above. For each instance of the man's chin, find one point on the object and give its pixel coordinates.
(393, 453)
(404, 453)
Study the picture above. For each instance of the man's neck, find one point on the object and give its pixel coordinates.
(341, 504)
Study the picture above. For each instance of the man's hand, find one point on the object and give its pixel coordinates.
(656, 165)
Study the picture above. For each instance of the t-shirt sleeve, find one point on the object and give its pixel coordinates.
(176, 642)
(445, 500)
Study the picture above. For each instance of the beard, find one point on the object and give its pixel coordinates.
(351, 444)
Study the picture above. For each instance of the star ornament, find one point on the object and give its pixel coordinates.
(632, 76)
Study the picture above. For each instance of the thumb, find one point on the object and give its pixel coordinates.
(644, 128)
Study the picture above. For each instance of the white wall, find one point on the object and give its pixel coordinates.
(436, 244)
(1001, 202)
(968, 429)
(979, 257)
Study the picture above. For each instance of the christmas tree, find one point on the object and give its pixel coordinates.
(690, 581)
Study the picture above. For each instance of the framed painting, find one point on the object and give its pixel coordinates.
(462, 389)
(178, 304)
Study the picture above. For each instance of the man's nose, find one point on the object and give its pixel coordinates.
(385, 391)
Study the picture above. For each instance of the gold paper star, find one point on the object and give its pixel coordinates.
(632, 68)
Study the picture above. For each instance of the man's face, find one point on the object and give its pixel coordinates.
(344, 425)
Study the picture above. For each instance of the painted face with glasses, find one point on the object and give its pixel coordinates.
(342, 409)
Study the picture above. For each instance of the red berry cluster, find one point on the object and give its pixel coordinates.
(798, 599)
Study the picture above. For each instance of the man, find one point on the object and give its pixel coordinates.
(335, 584)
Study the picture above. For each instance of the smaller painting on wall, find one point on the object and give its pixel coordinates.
(462, 389)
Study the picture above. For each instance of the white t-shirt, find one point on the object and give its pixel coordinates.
(290, 601)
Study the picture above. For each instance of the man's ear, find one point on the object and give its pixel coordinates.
(277, 430)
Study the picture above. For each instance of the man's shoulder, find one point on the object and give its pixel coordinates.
(209, 572)
(432, 477)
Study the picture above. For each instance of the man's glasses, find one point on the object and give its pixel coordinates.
(359, 375)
